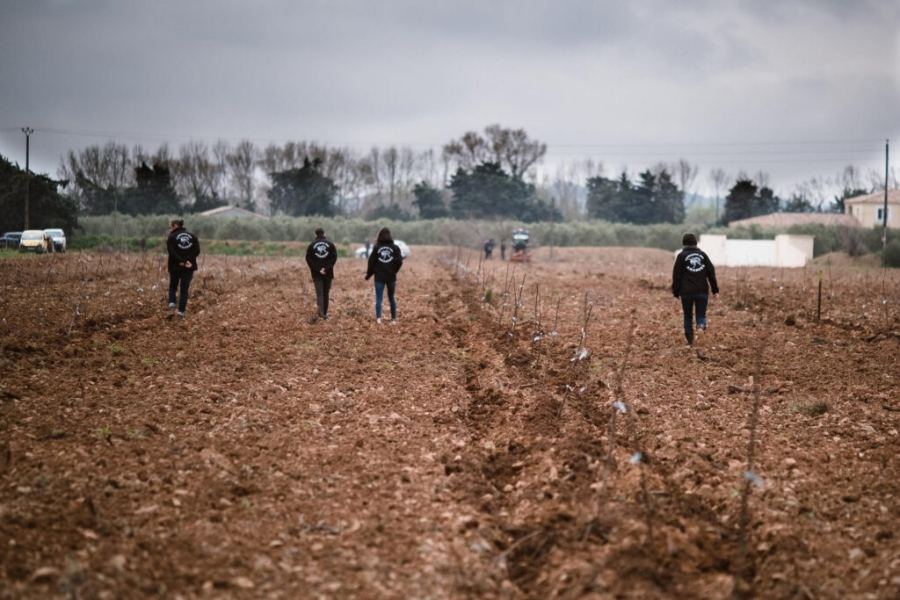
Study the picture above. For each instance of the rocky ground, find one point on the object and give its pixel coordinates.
(578, 451)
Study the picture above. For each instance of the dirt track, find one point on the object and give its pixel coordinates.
(247, 452)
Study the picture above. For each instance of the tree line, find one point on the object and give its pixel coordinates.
(480, 175)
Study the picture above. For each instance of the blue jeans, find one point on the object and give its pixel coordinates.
(184, 278)
(379, 294)
(688, 301)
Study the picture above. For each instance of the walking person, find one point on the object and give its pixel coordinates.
(321, 256)
(384, 262)
(692, 277)
(502, 249)
(183, 247)
(488, 248)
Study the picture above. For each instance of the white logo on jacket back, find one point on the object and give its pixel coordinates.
(694, 262)
(385, 254)
(184, 241)
(321, 249)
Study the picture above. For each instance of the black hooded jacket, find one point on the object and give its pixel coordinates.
(321, 254)
(384, 262)
(691, 272)
(183, 246)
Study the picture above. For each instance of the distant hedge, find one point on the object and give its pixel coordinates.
(449, 232)
(438, 232)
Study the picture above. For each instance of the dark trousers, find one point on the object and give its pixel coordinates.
(323, 288)
(183, 279)
(688, 302)
(379, 295)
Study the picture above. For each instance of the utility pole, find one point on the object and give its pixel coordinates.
(552, 223)
(27, 131)
(886, 173)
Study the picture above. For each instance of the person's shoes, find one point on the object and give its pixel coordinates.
(700, 339)
(393, 321)
(181, 314)
(171, 305)
(378, 320)
(690, 339)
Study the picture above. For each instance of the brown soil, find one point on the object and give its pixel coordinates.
(249, 452)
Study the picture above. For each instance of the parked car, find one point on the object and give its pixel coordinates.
(10, 239)
(35, 240)
(404, 250)
(58, 237)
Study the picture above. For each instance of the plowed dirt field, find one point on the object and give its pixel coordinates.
(528, 431)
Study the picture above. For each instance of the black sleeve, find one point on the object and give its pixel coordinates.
(309, 257)
(676, 276)
(332, 256)
(371, 265)
(398, 259)
(711, 275)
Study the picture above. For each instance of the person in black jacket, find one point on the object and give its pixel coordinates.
(384, 262)
(183, 247)
(689, 283)
(321, 256)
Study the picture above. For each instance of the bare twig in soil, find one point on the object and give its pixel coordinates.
(750, 477)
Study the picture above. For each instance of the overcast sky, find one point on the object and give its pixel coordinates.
(794, 88)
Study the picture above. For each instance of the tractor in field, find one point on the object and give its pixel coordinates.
(520, 239)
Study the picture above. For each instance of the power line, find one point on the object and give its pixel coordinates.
(131, 135)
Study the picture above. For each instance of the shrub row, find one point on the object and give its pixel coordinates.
(449, 232)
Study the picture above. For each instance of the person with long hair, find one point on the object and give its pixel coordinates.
(384, 262)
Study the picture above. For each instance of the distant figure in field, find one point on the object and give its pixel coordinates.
(502, 249)
(488, 248)
(689, 283)
(321, 256)
(183, 247)
(384, 262)
(368, 247)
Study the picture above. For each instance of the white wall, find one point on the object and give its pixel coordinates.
(784, 251)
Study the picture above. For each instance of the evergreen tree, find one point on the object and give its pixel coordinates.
(654, 199)
(393, 212)
(488, 192)
(601, 198)
(746, 200)
(798, 203)
(670, 200)
(640, 206)
(429, 202)
(838, 204)
(46, 206)
(153, 193)
(303, 191)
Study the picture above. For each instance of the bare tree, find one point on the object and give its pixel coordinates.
(195, 174)
(720, 182)
(816, 190)
(511, 148)
(877, 182)
(220, 151)
(851, 178)
(591, 169)
(469, 151)
(242, 165)
(106, 167)
(514, 150)
(565, 189)
(685, 174)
